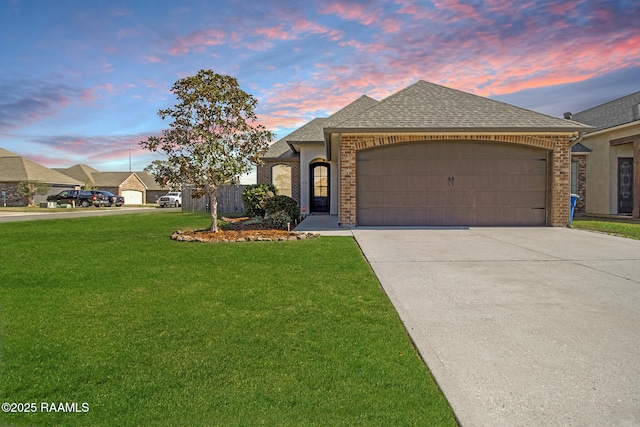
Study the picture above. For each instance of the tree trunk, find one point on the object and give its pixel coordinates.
(213, 200)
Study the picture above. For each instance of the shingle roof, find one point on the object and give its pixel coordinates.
(150, 181)
(356, 107)
(312, 132)
(111, 179)
(426, 106)
(14, 168)
(281, 148)
(579, 148)
(309, 132)
(79, 172)
(613, 113)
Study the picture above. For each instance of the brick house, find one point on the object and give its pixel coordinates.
(613, 165)
(127, 184)
(15, 169)
(429, 155)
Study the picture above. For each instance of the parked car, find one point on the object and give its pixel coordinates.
(112, 198)
(84, 198)
(172, 198)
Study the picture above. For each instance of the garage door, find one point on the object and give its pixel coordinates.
(132, 197)
(451, 183)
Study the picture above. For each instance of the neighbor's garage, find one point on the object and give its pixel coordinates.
(452, 183)
(132, 197)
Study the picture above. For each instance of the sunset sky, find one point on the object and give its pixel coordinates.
(82, 80)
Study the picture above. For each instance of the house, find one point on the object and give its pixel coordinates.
(15, 169)
(154, 190)
(429, 155)
(127, 184)
(613, 166)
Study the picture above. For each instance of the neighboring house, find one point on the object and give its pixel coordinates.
(15, 169)
(429, 155)
(613, 166)
(154, 190)
(127, 184)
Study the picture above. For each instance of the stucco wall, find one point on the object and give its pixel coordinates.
(602, 169)
(313, 154)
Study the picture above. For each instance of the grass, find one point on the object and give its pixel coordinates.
(619, 227)
(110, 312)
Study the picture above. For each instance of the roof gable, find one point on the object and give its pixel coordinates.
(425, 106)
(150, 181)
(313, 132)
(112, 179)
(79, 172)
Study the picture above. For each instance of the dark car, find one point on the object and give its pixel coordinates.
(84, 198)
(112, 198)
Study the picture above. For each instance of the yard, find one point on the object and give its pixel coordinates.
(620, 227)
(127, 327)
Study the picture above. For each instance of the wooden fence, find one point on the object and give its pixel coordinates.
(229, 200)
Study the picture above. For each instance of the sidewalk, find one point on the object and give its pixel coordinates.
(326, 225)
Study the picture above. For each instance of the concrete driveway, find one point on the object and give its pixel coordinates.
(520, 326)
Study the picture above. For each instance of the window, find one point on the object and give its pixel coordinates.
(320, 181)
(574, 177)
(281, 178)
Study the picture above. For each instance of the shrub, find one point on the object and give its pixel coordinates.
(278, 220)
(282, 203)
(253, 198)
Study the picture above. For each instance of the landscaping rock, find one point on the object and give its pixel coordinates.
(237, 236)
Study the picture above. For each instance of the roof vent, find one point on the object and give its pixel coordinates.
(636, 112)
(567, 115)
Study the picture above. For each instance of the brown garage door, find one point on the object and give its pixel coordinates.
(451, 183)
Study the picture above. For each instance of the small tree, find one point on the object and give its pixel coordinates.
(213, 138)
(29, 189)
(88, 185)
(162, 168)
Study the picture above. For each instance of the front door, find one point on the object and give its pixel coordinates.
(320, 188)
(625, 185)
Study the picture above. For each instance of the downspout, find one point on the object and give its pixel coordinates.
(577, 139)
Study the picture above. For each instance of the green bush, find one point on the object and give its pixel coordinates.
(253, 198)
(278, 220)
(282, 203)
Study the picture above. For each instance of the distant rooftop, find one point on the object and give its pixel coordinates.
(613, 113)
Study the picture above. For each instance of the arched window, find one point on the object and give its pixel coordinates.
(281, 178)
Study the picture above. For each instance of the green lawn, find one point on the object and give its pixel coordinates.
(619, 227)
(110, 312)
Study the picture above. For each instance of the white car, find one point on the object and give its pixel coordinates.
(172, 198)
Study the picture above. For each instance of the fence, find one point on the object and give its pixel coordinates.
(229, 200)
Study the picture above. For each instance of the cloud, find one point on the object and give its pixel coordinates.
(67, 150)
(29, 101)
(197, 39)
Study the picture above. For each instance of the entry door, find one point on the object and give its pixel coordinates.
(320, 188)
(625, 185)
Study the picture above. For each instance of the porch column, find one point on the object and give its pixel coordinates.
(561, 186)
(347, 208)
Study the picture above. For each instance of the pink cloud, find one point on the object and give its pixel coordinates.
(275, 33)
(211, 37)
(153, 58)
(362, 14)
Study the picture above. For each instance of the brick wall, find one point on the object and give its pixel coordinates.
(13, 198)
(265, 177)
(347, 213)
(561, 184)
(582, 182)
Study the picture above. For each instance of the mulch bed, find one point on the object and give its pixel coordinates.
(239, 231)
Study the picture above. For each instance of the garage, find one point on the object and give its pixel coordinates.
(132, 197)
(452, 183)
